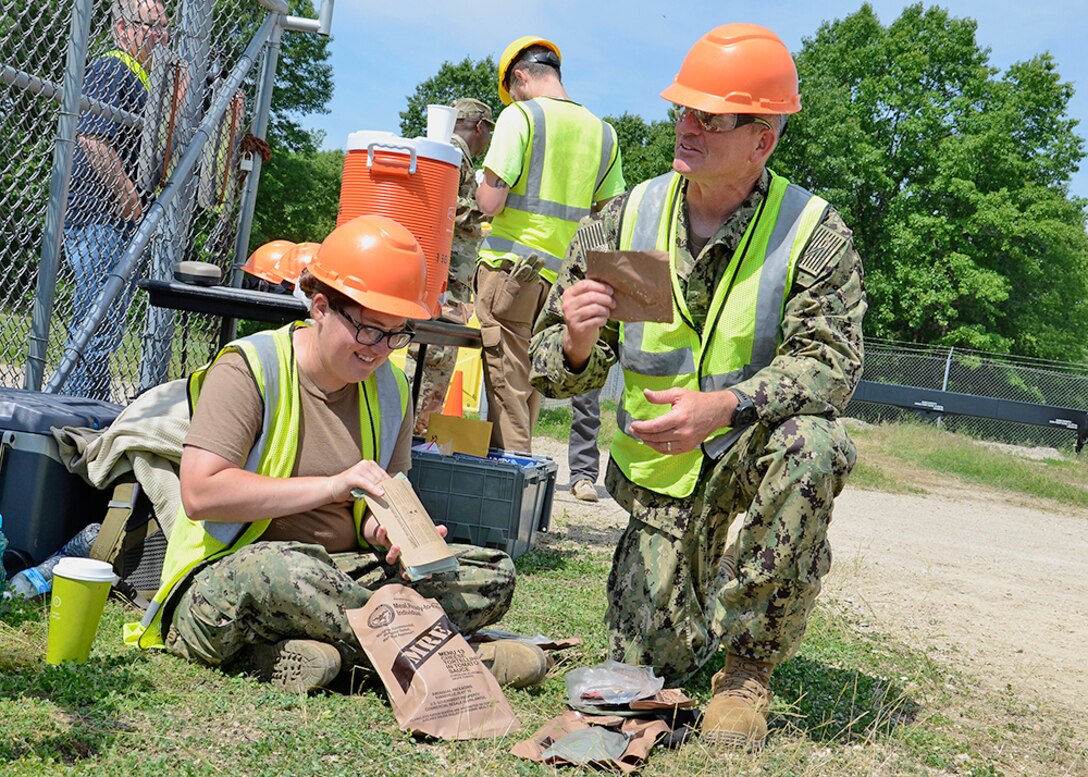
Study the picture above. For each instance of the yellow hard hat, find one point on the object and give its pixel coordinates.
(511, 53)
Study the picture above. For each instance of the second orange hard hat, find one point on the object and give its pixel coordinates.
(289, 266)
(262, 262)
(737, 68)
(376, 262)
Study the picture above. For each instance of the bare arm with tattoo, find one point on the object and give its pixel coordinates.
(491, 193)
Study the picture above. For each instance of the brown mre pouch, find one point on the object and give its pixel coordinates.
(641, 283)
(436, 684)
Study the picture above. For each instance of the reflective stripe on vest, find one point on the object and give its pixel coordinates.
(270, 358)
(658, 356)
(132, 64)
(531, 201)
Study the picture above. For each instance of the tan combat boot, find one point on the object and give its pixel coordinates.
(514, 663)
(736, 716)
(296, 665)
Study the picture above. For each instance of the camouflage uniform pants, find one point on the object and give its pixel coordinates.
(270, 591)
(674, 600)
(439, 363)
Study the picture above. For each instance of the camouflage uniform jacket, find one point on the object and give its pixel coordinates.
(466, 231)
(818, 363)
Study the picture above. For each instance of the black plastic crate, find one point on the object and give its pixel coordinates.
(497, 502)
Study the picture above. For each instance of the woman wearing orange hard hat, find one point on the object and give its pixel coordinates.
(289, 427)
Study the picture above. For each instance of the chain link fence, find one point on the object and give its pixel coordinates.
(1062, 384)
(113, 93)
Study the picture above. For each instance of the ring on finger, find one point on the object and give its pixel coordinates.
(668, 446)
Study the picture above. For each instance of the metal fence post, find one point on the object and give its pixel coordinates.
(249, 196)
(75, 64)
(172, 242)
(944, 383)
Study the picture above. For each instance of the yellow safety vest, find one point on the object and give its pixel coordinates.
(271, 360)
(741, 334)
(570, 153)
(132, 64)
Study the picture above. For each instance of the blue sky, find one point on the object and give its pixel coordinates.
(617, 56)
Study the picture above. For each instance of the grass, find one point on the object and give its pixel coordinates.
(852, 702)
(884, 450)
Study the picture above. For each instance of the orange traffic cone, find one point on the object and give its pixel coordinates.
(454, 404)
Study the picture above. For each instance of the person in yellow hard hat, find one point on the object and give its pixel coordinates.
(733, 407)
(550, 163)
(271, 547)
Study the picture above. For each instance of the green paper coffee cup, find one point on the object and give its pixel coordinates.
(80, 588)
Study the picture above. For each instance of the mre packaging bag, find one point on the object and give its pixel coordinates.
(436, 684)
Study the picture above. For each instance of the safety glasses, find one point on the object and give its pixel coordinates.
(719, 122)
(372, 335)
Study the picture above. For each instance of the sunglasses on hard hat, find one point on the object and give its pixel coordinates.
(719, 122)
(372, 335)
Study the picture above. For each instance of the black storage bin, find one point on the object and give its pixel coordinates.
(43, 504)
(493, 502)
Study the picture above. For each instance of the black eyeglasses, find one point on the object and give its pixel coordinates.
(372, 335)
(719, 122)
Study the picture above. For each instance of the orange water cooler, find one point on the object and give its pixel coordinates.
(413, 181)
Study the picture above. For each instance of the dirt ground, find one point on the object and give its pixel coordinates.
(982, 581)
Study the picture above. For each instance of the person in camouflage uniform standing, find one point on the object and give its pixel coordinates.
(733, 407)
(471, 136)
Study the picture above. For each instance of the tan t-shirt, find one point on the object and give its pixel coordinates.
(227, 422)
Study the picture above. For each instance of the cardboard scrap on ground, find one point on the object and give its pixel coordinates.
(665, 699)
(436, 684)
(641, 281)
(644, 735)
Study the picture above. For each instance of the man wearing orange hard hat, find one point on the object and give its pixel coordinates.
(551, 161)
(286, 424)
(732, 408)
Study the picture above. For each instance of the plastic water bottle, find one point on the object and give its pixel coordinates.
(38, 581)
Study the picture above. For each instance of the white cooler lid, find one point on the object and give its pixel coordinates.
(426, 149)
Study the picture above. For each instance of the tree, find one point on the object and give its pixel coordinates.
(299, 198)
(954, 178)
(299, 190)
(303, 85)
(467, 78)
(647, 149)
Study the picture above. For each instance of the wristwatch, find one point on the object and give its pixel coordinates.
(744, 413)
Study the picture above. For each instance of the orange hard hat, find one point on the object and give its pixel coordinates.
(262, 262)
(289, 266)
(737, 68)
(511, 53)
(377, 263)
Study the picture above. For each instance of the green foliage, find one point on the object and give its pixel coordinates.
(298, 197)
(954, 178)
(467, 78)
(646, 147)
(303, 86)
(299, 192)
